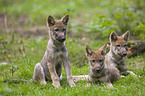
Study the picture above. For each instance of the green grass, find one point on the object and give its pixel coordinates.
(90, 24)
(23, 67)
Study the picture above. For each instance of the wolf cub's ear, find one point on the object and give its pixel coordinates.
(104, 49)
(65, 19)
(89, 51)
(113, 37)
(126, 36)
(50, 21)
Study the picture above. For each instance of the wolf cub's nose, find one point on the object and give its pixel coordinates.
(97, 69)
(63, 38)
(124, 53)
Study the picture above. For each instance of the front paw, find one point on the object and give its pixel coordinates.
(88, 85)
(132, 73)
(71, 83)
(43, 82)
(110, 85)
(122, 76)
(56, 84)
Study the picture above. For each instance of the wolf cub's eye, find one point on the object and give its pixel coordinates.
(93, 60)
(125, 45)
(55, 29)
(64, 29)
(118, 45)
(100, 60)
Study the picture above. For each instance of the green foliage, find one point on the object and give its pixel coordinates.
(79, 54)
(101, 17)
(127, 18)
(124, 18)
(100, 25)
(140, 30)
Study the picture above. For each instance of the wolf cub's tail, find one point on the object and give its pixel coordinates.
(18, 80)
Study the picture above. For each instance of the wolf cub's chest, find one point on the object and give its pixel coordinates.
(59, 54)
(100, 79)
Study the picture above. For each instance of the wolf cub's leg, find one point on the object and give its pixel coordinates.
(131, 73)
(39, 74)
(108, 82)
(89, 83)
(109, 85)
(67, 67)
(54, 75)
(125, 73)
(114, 74)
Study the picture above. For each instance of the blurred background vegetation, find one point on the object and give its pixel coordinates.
(98, 17)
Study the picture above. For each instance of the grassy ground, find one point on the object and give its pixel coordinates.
(23, 43)
(21, 65)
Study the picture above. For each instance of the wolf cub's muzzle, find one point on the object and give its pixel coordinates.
(124, 53)
(97, 69)
(60, 34)
(61, 39)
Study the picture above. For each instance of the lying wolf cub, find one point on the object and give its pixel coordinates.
(99, 72)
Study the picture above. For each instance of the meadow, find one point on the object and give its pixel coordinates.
(24, 37)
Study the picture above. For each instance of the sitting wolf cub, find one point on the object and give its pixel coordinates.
(55, 55)
(118, 50)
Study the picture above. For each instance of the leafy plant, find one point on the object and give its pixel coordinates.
(139, 30)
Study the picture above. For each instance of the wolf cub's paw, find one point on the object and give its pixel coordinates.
(109, 85)
(56, 84)
(122, 76)
(72, 84)
(88, 85)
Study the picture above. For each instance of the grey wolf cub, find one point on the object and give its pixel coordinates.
(99, 72)
(118, 50)
(55, 55)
